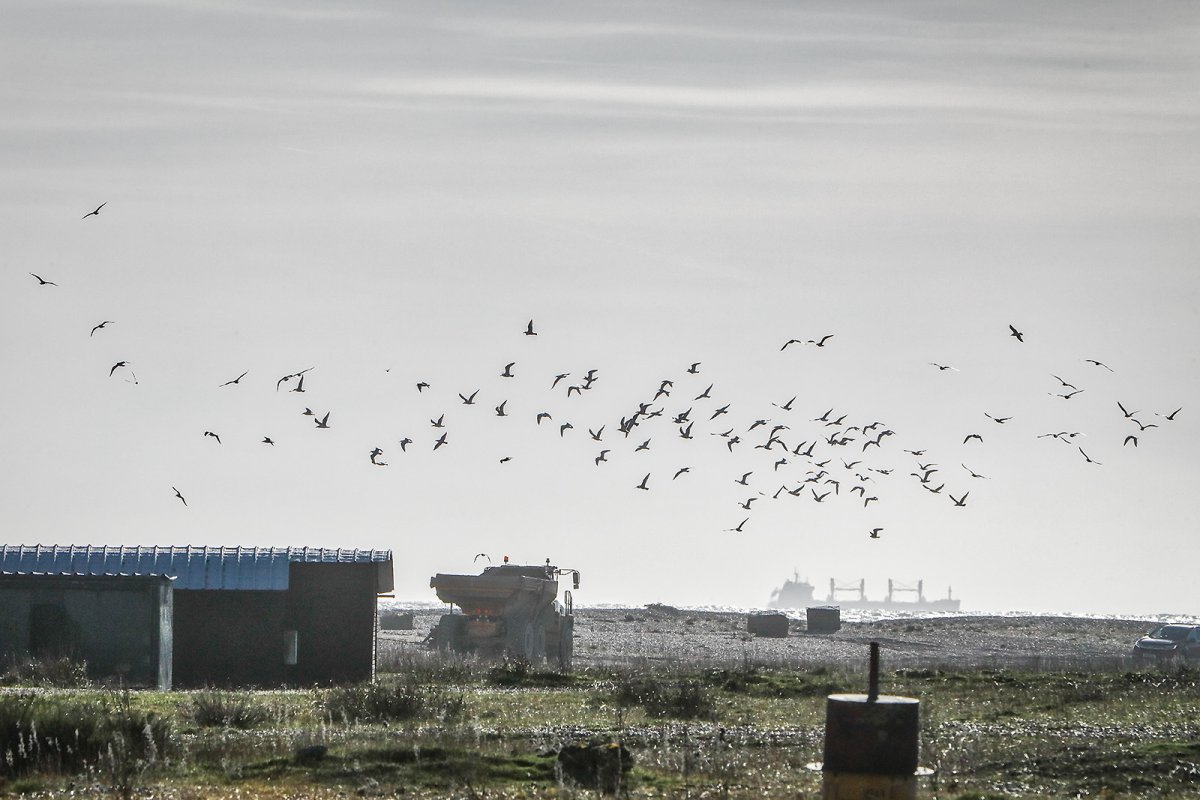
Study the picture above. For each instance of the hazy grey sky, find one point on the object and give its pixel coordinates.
(388, 192)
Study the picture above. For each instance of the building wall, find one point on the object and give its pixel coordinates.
(119, 626)
(332, 607)
(237, 638)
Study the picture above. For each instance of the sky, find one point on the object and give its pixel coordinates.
(386, 193)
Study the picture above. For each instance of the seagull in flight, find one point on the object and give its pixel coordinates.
(441, 441)
(529, 331)
(481, 555)
(786, 406)
(508, 370)
(596, 434)
(213, 435)
(874, 534)
(268, 440)
(821, 342)
(1171, 417)
(971, 436)
(1088, 458)
(974, 474)
(680, 471)
(1099, 364)
(1130, 438)
(287, 378)
(323, 422)
(439, 422)
(705, 393)
(422, 386)
(602, 457)
(738, 529)
(98, 327)
(543, 415)
(470, 401)
(745, 479)
(235, 380)
(694, 368)
(790, 342)
(177, 494)
(42, 281)
(1016, 333)
(643, 484)
(943, 367)
(116, 366)
(998, 420)
(562, 429)
(959, 501)
(1129, 414)
(95, 213)
(500, 409)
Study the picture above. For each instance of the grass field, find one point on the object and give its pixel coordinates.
(443, 727)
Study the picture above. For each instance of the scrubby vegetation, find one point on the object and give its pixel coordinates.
(449, 727)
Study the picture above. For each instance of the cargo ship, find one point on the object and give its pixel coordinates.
(797, 593)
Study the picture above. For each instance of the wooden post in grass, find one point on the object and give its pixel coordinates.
(871, 744)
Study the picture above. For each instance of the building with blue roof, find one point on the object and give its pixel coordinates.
(196, 616)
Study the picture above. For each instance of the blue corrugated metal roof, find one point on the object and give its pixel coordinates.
(245, 568)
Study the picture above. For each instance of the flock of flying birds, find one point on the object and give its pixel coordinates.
(782, 455)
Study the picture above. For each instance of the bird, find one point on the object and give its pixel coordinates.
(867, 500)
(745, 479)
(1129, 414)
(705, 393)
(874, 533)
(596, 434)
(422, 386)
(974, 474)
(213, 435)
(469, 401)
(559, 377)
(1130, 438)
(746, 504)
(959, 501)
(508, 370)
(376, 453)
(1066, 396)
(177, 494)
(505, 459)
(576, 389)
(1088, 458)
(694, 368)
(680, 471)
(543, 415)
(267, 440)
(323, 422)
(235, 380)
(440, 422)
(1098, 364)
(287, 378)
(602, 457)
(738, 529)
(95, 213)
(307, 412)
(790, 342)
(500, 409)
(1171, 417)
(999, 420)
(116, 366)
(643, 446)
(819, 497)
(441, 441)
(1014, 332)
(481, 555)
(404, 443)
(722, 410)
(1143, 425)
(643, 484)
(732, 442)
(821, 342)
(942, 367)
(98, 327)
(529, 331)
(566, 426)
(686, 433)
(299, 384)
(1064, 383)
(971, 436)
(786, 406)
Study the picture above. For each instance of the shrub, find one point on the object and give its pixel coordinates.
(59, 673)
(61, 734)
(391, 702)
(677, 698)
(226, 709)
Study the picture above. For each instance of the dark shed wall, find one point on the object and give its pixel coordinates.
(119, 626)
(332, 608)
(229, 638)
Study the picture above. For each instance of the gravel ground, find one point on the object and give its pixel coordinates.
(663, 635)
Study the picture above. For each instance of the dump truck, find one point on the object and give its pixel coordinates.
(507, 611)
